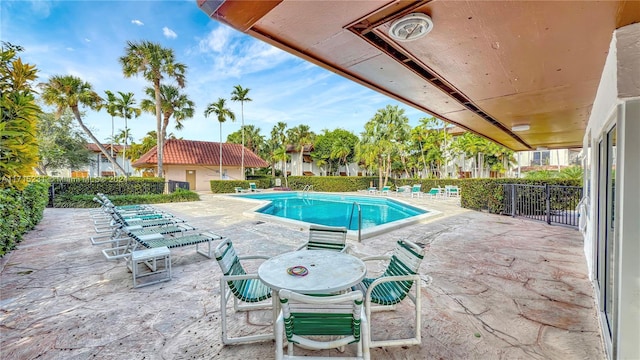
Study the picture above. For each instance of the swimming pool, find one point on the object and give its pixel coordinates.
(379, 214)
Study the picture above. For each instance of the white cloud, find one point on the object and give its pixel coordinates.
(42, 8)
(216, 40)
(168, 33)
(137, 22)
(70, 49)
(87, 40)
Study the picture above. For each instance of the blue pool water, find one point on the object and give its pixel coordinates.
(335, 210)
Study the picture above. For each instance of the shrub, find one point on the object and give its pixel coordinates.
(86, 201)
(111, 186)
(20, 211)
(228, 186)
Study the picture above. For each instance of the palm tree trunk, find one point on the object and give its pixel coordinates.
(124, 150)
(104, 151)
(242, 127)
(159, 142)
(220, 151)
(300, 162)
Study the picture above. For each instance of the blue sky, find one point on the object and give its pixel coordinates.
(86, 38)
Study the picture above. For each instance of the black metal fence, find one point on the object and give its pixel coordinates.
(173, 185)
(551, 203)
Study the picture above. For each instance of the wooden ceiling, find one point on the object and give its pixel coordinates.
(486, 65)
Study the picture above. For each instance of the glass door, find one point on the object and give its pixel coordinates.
(609, 258)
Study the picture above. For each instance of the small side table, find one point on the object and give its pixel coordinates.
(150, 259)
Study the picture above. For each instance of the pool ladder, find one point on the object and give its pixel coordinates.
(307, 188)
(353, 208)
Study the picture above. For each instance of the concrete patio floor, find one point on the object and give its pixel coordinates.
(494, 287)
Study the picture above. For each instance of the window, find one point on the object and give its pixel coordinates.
(541, 158)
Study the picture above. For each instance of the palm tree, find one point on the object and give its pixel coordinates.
(111, 110)
(222, 113)
(341, 151)
(153, 61)
(240, 94)
(69, 92)
(300, 136)
(126, 110)
(172, 103)
(278, 141)
(381, 139)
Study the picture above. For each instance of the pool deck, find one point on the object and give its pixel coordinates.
(494, 287)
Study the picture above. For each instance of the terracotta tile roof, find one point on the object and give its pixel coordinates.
(189, 152)
(116, 148)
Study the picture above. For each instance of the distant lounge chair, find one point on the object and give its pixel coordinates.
(415, 190)
(326, 238)
(452, 191)
(372, 190)
(435, 192)
(403, 190)
(253, 188)
(385, 190)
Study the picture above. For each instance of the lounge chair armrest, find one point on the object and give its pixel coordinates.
(240, 277)
(248, 257)
(376, 257)
(387, 279)
(186, 227)
(212, 235)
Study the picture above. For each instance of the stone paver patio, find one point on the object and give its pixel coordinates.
(494, 287)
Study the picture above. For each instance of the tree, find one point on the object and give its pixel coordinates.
(300, 136)
(70, 92)
(338, 144)
(125, 108)
(19, 112)
(60, 143)
(240, 94)
(172, 103)
(154, 62)
(222, 114)
(381, 140)
(113, 111)
(343, 147)
(277, 145)
(254, 141)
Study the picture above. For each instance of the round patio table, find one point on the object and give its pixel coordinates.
(312, 271)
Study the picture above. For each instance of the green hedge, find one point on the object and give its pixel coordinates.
(20, 211)
(86, 201)
(228, 186)
(111, 186)
(487, 194)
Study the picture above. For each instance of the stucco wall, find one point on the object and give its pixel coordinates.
(618, 100)
(204, 174)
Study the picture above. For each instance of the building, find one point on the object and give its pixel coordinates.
(308, 167)
(98, 165)
(524, 74)
(198, 162)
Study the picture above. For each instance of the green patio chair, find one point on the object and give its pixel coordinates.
(435, 192)
(385, 190)
(248, 292)
(254, 188)
(452, 191)
(326, 238)
(333, 322)
(416, 190)
(393, 286)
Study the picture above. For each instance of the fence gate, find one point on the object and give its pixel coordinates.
(551, 203)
